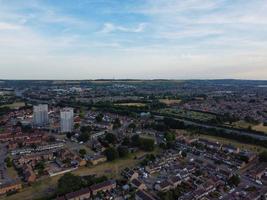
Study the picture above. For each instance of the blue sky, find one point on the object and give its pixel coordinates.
(90, 39)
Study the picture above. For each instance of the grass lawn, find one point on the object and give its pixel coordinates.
(42, 188)
(244, 146)
(242, 124)
(260, 127)
(131, 104)
(246, 125)
(14, 105)
(222, 140)
(189, 114)
(47, 186)
(12, 173)
(169, 102)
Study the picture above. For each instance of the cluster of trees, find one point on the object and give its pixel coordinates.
(111, 138)
(221, 119)
(168, 123)
(8, 162)
(149, 158)
(227, 134)
(99, 117)
(251, 120)
(40, 167)
(170, 141)
(70, 182)
(234, 180)
(4, 110)
(85, 133)
(145, 144)
(82, 152)
(132, 126)
(116, 123)
(263, 156)
(122, 151)
(113, 153)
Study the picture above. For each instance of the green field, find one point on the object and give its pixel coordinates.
(14, 105)
(12, 173)
(170, 102)
(131, 104)
(245, 125)
(253, 148)
(260, 127)
(194, 115)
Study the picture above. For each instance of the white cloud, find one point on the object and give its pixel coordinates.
(8, 26)
(110, 27)
(185, 39)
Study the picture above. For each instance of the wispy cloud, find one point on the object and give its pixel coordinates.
(137, 39)
(8, 26)
(110, 27)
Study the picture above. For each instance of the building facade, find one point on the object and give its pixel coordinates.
(66, 120)
(40, 115)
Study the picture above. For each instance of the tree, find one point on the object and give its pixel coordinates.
(111, 138)
(76, 126)
(40, 166)
(234, 180)
(8, 162)
(116, 123)
(132, 125)
(263, 156)
(68, 183)
(184, 154)
(51, 138)
(82, 152)
(99, 117)
(123, 151)
(148, 158)
(173, 123)
(135, 140)
(111, 153)
(92, 179)
(126, 141)
(169, 137)
(84, 137)
(166, 195)
(86, 129)
(147, 144)
(69, 134)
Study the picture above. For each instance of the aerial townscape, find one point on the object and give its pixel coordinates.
(133, 139)
(133, 99)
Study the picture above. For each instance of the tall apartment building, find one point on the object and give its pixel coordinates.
(66, 120)
(40, 115)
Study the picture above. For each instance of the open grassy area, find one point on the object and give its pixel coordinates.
(242, 124)
(170, 102)
(244, 146)
(14, 105)
(12, 173)
(131, 104)
(222, 140)
(246, 125)
(260, 127)
(189, 114)
(47, 186)
(38, 190)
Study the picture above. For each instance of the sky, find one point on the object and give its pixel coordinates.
(135, 39)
